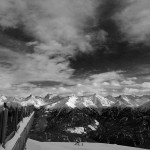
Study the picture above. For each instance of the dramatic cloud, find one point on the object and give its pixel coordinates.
(58, 24)
(63, 30)
(58, 28)
(134, 21)
(18, 68)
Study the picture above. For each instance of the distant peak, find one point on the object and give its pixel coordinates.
(49, 96)
(3, 97)
(72, 101)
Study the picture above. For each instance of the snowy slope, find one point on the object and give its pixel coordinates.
(72, 102)
(78, 130)
(32, 100)
(75, 101)
(54, 101)
(96, 101)
(88, 102)
(35, 145)
(104, 101)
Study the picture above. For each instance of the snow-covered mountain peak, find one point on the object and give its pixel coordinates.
(50, 96)
(88, 102)
(72, 101)
(3, 98)
(127, 100)
(32, 100)
(81, 101)
(104, 101)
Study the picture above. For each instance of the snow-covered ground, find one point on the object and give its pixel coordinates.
(72, 101)
(35, 145)
(78, 130)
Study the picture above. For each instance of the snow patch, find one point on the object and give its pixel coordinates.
(72, 101)
(91, 127)
(78, 130)
(2, 100)
(52, 105)
(37, 102)
(127, 100)
(104, 101)
(94, 126)
(88, 102)
(96, 122)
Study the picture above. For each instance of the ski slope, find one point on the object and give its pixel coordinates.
(35, 145)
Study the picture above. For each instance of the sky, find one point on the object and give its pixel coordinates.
(74, 46)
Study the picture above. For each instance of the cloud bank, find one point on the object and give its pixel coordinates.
(58, 29)
(134, 21)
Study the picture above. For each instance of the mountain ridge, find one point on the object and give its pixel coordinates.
(52, 101)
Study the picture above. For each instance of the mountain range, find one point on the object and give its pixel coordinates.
(53, 101)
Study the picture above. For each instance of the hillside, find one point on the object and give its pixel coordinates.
(93, 119)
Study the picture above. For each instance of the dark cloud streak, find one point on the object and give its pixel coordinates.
(42, 84)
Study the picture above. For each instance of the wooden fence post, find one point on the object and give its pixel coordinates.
(25, 111)
(22, 113)
(16, 118)
(4, 126)
(1, 123)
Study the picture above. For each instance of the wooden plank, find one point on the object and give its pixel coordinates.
(18, 126)
(1, 125)
(4, 127)
(1, 109)
(22, 111)
(16, 119)
(21, 142)
(10, 137)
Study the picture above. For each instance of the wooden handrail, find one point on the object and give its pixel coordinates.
(10, 137)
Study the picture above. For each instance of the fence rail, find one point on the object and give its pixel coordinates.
(21, 142)
(10, 117)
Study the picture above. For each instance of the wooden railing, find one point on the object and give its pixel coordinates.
(21, 142)
(10, 117)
